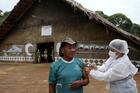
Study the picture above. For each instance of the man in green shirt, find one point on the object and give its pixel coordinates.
(67, 75)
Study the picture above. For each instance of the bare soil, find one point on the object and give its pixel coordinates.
(33, 78)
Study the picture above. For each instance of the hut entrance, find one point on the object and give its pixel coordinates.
(46, 51)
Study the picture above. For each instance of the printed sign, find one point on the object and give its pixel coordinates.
(46, 30)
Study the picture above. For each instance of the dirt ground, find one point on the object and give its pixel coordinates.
(33, 78)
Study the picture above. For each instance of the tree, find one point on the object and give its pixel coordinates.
(6, 13)
(101, 14)
(0, 12)
(3, 16)
(120, 20)
(135, 29)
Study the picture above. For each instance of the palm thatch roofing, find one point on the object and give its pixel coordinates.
(24, 5)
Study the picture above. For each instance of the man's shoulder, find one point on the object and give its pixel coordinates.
(57, 62)
(79, 61)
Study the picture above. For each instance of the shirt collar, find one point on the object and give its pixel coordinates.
(67, 61)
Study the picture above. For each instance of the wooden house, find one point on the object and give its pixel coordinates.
(41, 24)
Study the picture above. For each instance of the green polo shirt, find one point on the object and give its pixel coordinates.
(63, 73)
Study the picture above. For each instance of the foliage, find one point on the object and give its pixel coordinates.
(135, 29)
(101, 14)
(3, 16)
(0, 12)
(121, 21)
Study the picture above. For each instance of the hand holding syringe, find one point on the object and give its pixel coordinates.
(89, 66)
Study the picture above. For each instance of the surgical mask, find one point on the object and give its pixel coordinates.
(112, 54)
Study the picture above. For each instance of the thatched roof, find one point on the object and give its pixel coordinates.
(15, 15)
(24, 5)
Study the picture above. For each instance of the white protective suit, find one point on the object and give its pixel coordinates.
(118, 73)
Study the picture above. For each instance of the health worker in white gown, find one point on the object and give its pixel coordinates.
(117, 71)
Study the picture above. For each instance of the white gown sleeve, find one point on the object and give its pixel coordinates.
(104, 66)
(101, 68)
(116, 73)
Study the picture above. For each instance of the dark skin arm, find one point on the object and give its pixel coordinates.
(52, 88)
(85, 77)
(79, 83)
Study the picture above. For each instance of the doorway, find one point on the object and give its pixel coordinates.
(46, 52)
